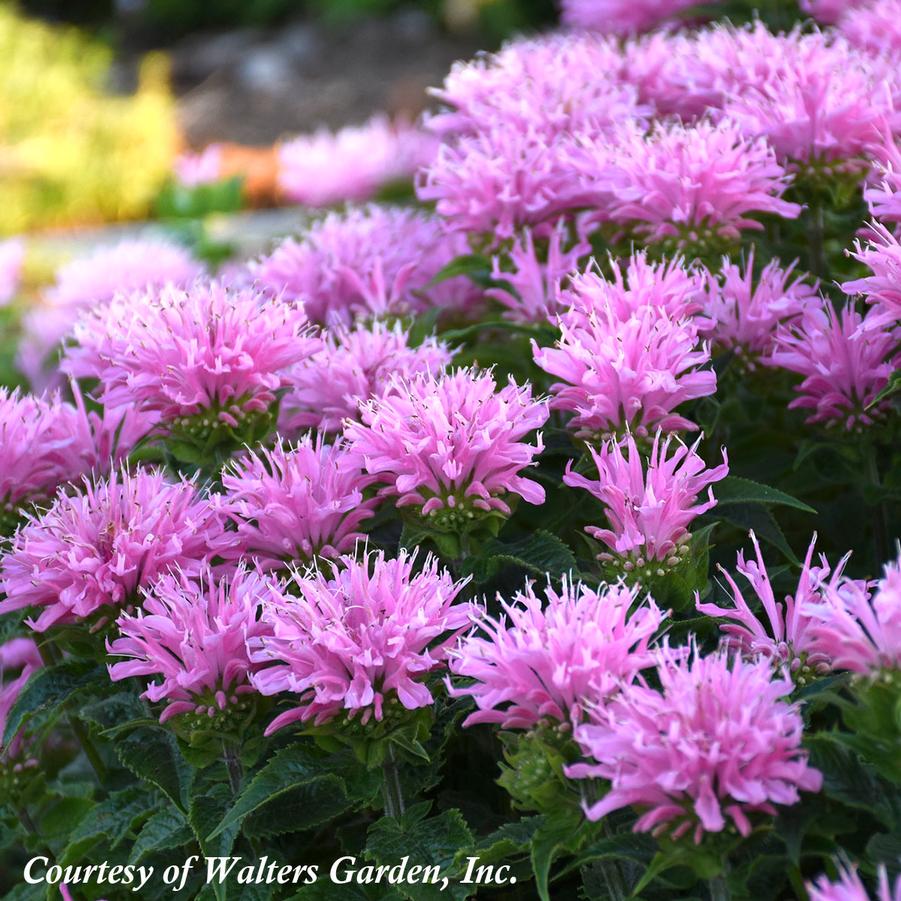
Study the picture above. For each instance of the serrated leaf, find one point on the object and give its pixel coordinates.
(208, 806)
(738, 490)
(757, 518)
(541, 553)
(165, 830)
(509, 839)
(152, 755)
(111, 819)
(553, 838)
(892, 387)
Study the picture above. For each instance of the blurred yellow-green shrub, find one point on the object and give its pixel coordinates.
(70, 153)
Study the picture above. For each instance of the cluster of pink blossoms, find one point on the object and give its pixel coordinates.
(882, 255)
(849, 887)
(622, 16)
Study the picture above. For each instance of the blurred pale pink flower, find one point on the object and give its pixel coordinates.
(326, 168)
(883, 190)
(845, 360)
(193, 634)
(12, 255)
(95, 549)
(744, 313)
(783, 635)
(361, 636)
(370, 261)
(622, 16)
(649, 505)
(882, 255)
(552, 658)
(203, 168)
(354, 364)
(873, 26)
(92, 280)
(828, 11)
(19, 659)
(716, 741)
(849, 887)
(291, 503)
(207, 350)
(857, 631)
(451, 446)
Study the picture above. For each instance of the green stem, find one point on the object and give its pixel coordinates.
(29, 826)
(880, 517)
(391, 788)
(815, 235)
(719, 886)
(233, 765)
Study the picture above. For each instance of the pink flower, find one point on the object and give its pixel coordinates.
(622, 16)
(685, 186)
(849, 887)
(96, 549)
(354, 364)
(292, 503)
(194, 169)
(883, 193)
(22, 655)
(326, 167)
(12, 256)
(370, 261)
(552, 659)
(533, 286)
(93, 280)
(451, 446)
(744, 317)
(828, 11)
(716, 740)
(624, 362)
(193, 633)
(649, 507)
(844, 359)
(873, 27)
(207, 352)
(784, 636)
(857, 632)
(364, 636)
(882, 255)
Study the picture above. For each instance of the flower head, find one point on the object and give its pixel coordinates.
(883, 193)
(193, 633)
(827, 11)
(451, 446)
(19, 659)
(551, 659)
(845, 362)
(370, 261)
(194, 169)
(292, 503)
(354, 364)
(784, 635)
(207, 352)
(716, 740)
(882, 256)
(649, 507)
(858, 632)
(849, 887)
(325, 168)
(12, 255)
(95, 549)
(622, 16)
(873, 26)
(358, 637)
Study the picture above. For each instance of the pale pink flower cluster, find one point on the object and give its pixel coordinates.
(358, 638)
(19, 660)
(353, 365)
(203, 168)
(858, 631)
(292, 503)
(550, 660)
(95, 549)
(845, 361)
(717, 742)
(193, 634)
(205, 350)
(849, 887)
(12, 256)
(883, 191)
(873, 26)
(370, 261)
(326, 168)
(622, 16)
(649, 505)
(828, 11)
(451, 446)
(882, 255)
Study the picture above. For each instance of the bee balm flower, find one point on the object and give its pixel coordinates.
(849, 887)
(882, 255)
(621, 16)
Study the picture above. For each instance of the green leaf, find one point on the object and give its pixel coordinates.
(152, 754)
(165, 830)
(756, 518)
(112, 819)
(738, 490)
(472, 265)
(510, 839)
(541, 553)
(893, 386)
(553, 838)
(208, 805)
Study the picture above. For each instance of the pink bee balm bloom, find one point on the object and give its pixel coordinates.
(883, 193)
(849, 887)
(194, 169)
(12, 255)
(325, 168)
(857, 632)
(366, 634)
(716, 740)
(19, 659)
(193, 633)
(96, 549)
(451, 446)
(687, 186)
(828, 11)
(295, 502)
(93, 280)
(206, 350)
(882, 255)
(784, 635)
(365, 262)
(873, 27)
(622, 16)
(845, 362)
(649, 508)
(354, 364)
(550, 659)
(745, 313)
(623, 371)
